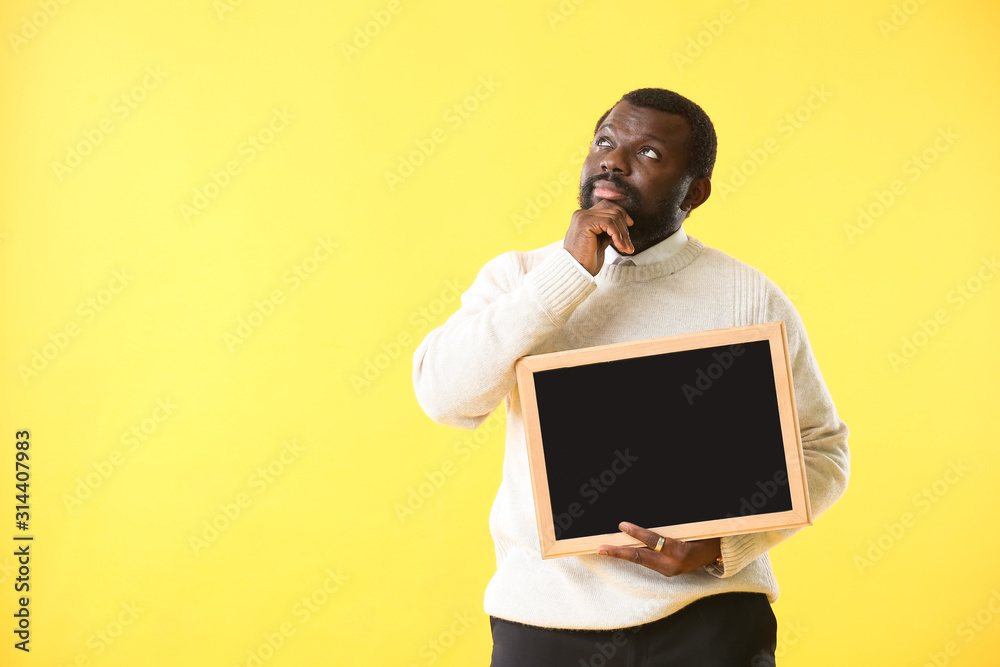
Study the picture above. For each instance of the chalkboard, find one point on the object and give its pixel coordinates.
(690, 436)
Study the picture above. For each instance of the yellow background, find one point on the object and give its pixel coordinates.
(894, 76)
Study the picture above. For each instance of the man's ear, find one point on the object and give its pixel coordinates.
(698, 192)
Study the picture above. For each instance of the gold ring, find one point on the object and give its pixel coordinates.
(659, 543)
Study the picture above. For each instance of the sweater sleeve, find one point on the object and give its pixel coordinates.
(824, 438)
(463, 369)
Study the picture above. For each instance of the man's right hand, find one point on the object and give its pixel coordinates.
(593, 229)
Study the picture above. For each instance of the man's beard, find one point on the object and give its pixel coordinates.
(647, 230)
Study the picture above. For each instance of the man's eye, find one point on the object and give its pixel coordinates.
(602, 141)
(650, 152)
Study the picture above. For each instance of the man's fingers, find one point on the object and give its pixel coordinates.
(647, 537)
(603, 205)
(622, 241)
(592, 230)
(618, 230)
(622, 221)
(626, 242)
(671, 547)
(625, 553)
(660, 562)
(675, 557)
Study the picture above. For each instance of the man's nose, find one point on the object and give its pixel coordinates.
(615, 160)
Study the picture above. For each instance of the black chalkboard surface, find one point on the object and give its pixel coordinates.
(690, 436)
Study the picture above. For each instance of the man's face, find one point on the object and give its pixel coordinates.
(637, 161)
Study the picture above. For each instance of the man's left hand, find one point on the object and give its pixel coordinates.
(675, 557)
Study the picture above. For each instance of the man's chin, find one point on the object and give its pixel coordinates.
(644, 234)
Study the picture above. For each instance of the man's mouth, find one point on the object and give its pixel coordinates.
(606, 190)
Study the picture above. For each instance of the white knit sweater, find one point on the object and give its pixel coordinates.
(535, 302)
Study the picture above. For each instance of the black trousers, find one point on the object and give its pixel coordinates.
(723, 630)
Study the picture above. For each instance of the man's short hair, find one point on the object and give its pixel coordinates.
(702, 143)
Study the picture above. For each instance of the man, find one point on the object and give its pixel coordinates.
(626, 270)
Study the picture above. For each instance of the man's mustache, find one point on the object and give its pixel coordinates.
(630, 192)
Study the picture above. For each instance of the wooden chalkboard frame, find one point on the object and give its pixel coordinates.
(773, 332)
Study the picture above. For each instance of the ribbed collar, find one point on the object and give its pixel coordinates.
(665, 249)
(657, 269)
